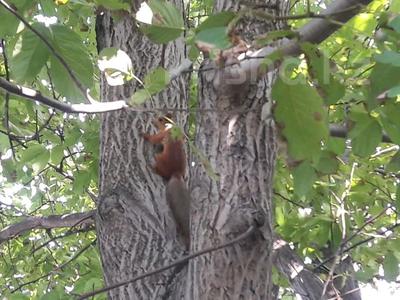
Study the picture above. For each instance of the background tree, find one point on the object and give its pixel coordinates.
(217, 66)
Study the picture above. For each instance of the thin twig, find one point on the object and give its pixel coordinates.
(175, 263)
(339, 251)
(355, 246)
(289, 200)
(340, 297)
(61, 236)
(57, 268)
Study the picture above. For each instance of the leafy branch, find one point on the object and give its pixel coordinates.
(359, 243)
(63, 265)
(253, 64)
(8, 7)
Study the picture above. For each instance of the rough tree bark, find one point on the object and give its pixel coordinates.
(134, 226)
(238, 138)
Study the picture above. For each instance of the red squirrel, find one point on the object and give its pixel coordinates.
(170, 164)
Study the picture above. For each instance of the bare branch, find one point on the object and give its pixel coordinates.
(175, 263)
(34, 95)
(49, 222)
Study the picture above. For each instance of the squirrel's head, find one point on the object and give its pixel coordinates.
(164, 121)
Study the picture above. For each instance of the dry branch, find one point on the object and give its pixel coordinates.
(48, 222)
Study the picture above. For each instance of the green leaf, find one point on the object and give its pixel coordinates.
(221, 19)
(304, 177)
(56, 294)
(394, 91)
(336, 235)
(17, 296)
(279, 216)
(31, 153)
(166, 14)
(56, 154)
(328, 163)
(154, 83)
(37, 156)
(389, 116)
(215, 38)
(41, 161)
(30, 54)
(384, 76)
(8, 22)
(116, 65)
(319, 68)
(70, 46)
(114, 4)
(389, 57)
(395, 24)
(139, 97)
(398, 198)
(390, 266)
(93, 283)
(81, 181)
(300, 114)
(157, 80)
(366, 274)
(336, 145)
(160, 34)
(394, 163)
(194, 53)
(167, 22)
(4, 143)
(365, 135)
(48, 7)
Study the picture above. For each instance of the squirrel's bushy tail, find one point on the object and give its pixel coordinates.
(178, 199)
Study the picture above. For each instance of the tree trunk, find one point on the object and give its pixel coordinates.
(238, 138)
(134, 226)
